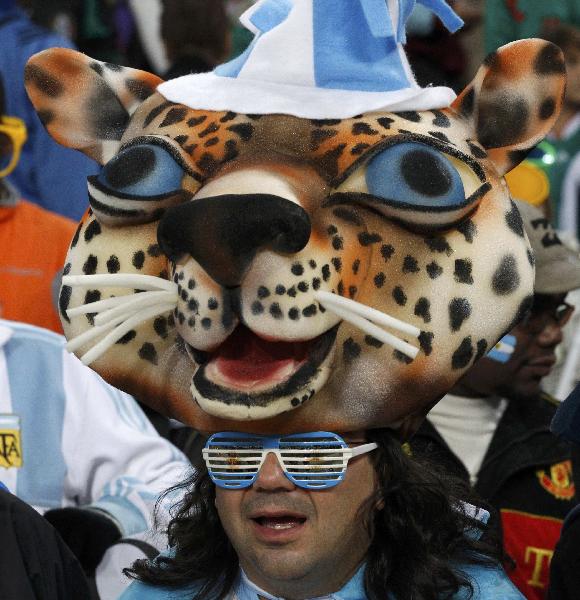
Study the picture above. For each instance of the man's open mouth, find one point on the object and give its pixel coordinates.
(251, 373)
(280, 523)
(278, 527)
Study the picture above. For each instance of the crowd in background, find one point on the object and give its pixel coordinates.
(44, 194)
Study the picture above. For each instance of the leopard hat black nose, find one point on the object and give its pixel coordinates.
(224, 233)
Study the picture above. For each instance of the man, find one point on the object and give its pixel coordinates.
(48, 174)
(493, 428)
(33, 241)
(414, 546)
(292, 517)
(78, 450)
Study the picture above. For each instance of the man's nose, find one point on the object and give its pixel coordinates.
(271, 476)
(551, 334)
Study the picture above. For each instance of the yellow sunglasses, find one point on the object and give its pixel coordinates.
(15, 130)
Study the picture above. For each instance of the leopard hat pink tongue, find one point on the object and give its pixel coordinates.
(245, 360)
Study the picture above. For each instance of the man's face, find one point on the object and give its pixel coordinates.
(533, 358)
(295, 542)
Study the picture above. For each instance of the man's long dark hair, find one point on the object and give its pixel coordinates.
(419, 534)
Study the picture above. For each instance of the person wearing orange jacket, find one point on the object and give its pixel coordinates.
(33, 241)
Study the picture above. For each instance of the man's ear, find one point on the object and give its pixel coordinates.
(84, 103)
(515, 99)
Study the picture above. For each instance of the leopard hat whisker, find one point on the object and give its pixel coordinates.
(371, 314)
(116, 316)
(126, 280)
(123, 328)
(367, 319)
(80, 340)
(99, 305)
(133, 303)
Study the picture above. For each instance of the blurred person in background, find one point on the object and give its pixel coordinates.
(509, 20)
(47, 174)
(565, 565)
(33, 241)
(147, 15)
(436, 56)
(529, 182)
(180, 37)
(34, 561)
(566, 373)
(99, 30)
(494, 427)
(59, 16)
(196, 34)
(241, 37)
(564, 172)
(112, 30)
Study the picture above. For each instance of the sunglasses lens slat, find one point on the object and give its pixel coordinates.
(317, 481)
(316, 460)
(231, 465)
(232, 476)
(316, 476)
(314, 469)
(233, 459)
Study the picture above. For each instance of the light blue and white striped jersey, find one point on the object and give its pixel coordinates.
(67, 438)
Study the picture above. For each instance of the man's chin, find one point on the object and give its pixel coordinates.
(275, 566)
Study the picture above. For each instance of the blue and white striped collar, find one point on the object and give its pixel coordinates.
(244, 589)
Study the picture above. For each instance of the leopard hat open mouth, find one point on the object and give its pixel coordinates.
(248, 377)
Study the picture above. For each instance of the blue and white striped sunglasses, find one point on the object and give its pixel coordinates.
(314, 460)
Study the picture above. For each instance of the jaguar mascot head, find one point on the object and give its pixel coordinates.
(275, 273)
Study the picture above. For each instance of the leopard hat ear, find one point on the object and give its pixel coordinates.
(515, 99)
(84, 103)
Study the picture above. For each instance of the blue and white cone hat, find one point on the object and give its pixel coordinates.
(319, 59)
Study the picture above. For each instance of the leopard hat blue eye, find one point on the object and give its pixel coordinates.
(415, 176)
(417, 184)
(137, 185)
(143, 170)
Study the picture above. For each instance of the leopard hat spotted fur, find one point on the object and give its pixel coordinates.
(204, 278)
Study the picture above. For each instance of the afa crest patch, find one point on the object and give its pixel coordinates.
(559, 481)
(10, 442)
